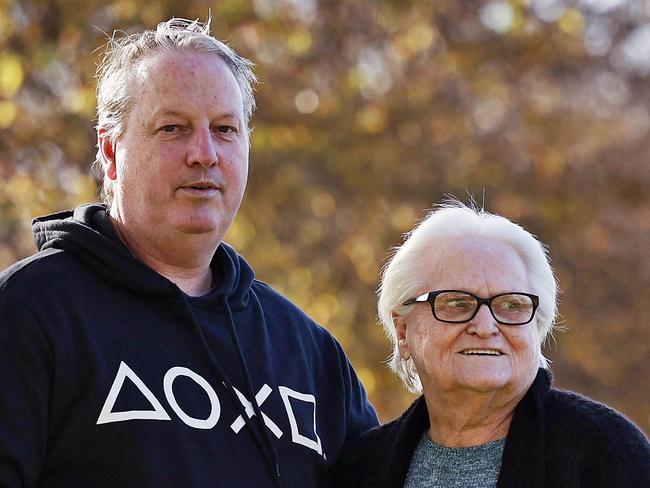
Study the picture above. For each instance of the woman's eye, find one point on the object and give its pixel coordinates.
(512, 305)
(458, 303)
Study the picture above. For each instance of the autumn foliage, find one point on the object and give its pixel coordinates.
(370, 111)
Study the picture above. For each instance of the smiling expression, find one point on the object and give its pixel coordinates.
(480, 355)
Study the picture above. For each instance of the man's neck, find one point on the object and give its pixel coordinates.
(184, 262)
(193, 281)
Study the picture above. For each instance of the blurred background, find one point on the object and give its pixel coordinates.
(370, 111)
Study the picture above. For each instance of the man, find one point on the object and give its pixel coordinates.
(136, 348)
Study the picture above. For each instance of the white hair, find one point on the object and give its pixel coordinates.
(404, 275)
(115, 72)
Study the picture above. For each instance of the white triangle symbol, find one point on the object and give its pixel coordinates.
(107, 415)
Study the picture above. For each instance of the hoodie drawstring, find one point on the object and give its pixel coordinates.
(264, 443)
(256, 408)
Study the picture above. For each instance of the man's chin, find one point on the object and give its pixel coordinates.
(198, 224)
(198, 227)
(200, 221)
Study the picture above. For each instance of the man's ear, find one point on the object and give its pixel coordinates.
(107, 151)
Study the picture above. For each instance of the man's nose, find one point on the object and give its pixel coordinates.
(203, 148)
(483, 324)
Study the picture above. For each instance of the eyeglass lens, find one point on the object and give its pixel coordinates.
(458, 307)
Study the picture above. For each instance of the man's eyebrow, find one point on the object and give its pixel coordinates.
(167, 112)
(233, 115)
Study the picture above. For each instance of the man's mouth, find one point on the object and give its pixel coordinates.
(481, 352)
(202, 185)
(200, 189)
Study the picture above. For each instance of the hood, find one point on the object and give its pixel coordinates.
(88, 233)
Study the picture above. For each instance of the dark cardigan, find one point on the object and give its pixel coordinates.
(556, 439)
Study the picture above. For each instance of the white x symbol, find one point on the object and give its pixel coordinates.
(260, 397)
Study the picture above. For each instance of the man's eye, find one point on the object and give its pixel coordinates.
(226, 129)
(169, 128)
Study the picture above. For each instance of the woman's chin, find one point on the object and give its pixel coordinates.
(485, 380)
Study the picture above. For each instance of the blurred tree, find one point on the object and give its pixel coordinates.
(369, 112)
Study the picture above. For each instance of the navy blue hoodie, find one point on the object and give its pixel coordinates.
(111, 376)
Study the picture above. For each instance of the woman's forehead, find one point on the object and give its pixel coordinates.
(474, 261)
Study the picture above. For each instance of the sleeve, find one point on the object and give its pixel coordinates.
(361, 415)
(25, 379)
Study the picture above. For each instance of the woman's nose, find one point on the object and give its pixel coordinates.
(483, 324)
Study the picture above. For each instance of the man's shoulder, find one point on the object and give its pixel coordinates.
(269, 294)
(278, 307)
(33, 270)
(29, 287)
(285, 321)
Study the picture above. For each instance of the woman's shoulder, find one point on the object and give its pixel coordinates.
(574, 411)
(592, 427)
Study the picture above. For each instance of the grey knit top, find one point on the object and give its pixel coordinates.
(434, 466)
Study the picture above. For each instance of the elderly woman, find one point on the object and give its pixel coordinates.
(467, 302)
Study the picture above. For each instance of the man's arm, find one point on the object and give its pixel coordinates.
(361, 415)
(25, 379)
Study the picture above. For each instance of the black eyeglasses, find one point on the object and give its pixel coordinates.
(456, 306)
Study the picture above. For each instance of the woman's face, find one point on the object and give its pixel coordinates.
(481, 355)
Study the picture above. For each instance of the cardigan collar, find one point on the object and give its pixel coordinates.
(523, 455)
(407, 435)
(522, 463)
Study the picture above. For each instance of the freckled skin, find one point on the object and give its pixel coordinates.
(186, 125)
(485, 268)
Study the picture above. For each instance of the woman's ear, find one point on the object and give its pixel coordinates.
(107, 151)
(401, 331)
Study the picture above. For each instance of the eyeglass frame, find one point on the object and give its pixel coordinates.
(430, 297)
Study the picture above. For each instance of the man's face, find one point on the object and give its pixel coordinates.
(181, 164)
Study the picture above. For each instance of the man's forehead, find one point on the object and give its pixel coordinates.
(177, 74)
(168, 59)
